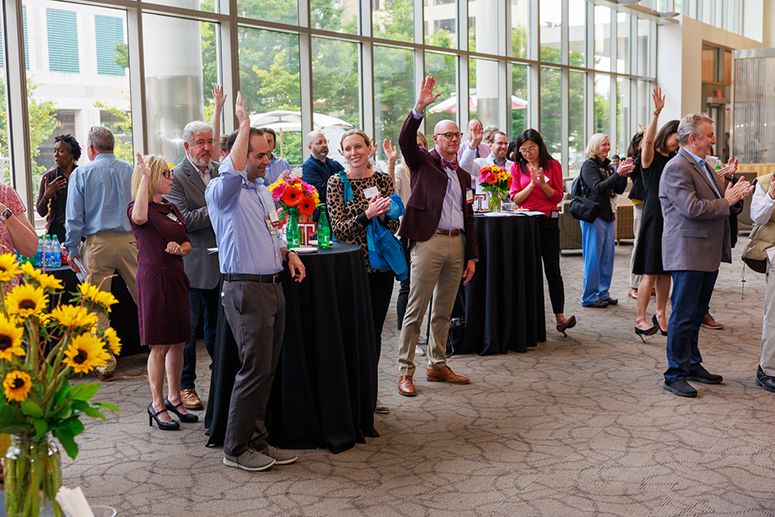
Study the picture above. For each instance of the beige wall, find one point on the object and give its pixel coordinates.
(679, 73)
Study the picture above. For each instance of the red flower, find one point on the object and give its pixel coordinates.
(306, 205)
(292, 195)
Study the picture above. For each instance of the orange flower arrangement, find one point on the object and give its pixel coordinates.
(306, 205)
(292, 195)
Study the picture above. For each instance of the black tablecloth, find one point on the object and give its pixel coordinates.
(326, 383)
(504, 302)
(123, 316)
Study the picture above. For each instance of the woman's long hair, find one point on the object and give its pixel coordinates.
(531, 135)
(155, 162)
(634, 149)
(670, 128)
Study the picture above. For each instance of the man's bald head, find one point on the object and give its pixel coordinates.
(447, 147)
(317, 145)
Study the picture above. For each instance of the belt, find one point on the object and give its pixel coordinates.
(264, 279)
(451, 233)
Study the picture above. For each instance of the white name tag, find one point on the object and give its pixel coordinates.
(469, 196)
(172, 216)
(370, 192)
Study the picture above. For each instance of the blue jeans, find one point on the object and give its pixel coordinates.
(597, 248)
(202, 302)
(691, 295)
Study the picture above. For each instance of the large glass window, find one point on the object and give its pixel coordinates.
(623, 43)
(603, 104)
(602, 38)
(335, 89)
(520, 28)
(5, 154)
(551, 110)
(623, 127)
(394, 92)
(200, 5)
(645, 33)
(178, 81)
(551, 30)
(393, 19)
(577, 95)
(577, 32)
(335, 15)
(281, 11)
(484, 26)
(440, 23)
(519, 102)
(643, 103)
(483, 97)
(269, 80)
(62, 35)
(443, 68)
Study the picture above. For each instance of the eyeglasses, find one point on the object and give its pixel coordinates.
(529, 150)
(320, 142)
(450, 135)
(167, 173)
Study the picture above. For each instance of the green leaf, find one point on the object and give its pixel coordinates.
(72, 425)
(88, 409)
(67, 440)
(85, 391)
(30, 408)
(41, 426)
(105, 405)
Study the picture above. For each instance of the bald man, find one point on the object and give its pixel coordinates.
(439, 223)
(318, 167)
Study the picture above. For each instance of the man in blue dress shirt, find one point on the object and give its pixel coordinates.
(251, 256)
(276, 165)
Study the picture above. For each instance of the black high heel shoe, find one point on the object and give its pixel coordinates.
(184, 417)
(164, 426)
(656, 322)
(648, 332)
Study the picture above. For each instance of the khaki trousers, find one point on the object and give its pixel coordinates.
(102, 255)
(437, 269)
(767, 361)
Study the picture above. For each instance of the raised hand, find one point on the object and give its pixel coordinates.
(219, 96)
(390, 151)
(476, 136)
(426, 97)
(659, 99)
(240, 111)
(143, 166)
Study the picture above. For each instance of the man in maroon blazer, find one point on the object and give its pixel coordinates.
(439, 223)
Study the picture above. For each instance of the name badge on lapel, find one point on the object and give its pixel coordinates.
(469, 196)
(174, 218)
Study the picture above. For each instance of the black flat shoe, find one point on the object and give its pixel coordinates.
(184, 417)
(568, 324)
(164, 426)
(656, 322)
(648, 332)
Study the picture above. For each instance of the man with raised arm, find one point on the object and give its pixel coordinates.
(439, 223)
(251, 256)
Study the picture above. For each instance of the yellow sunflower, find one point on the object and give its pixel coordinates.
(40, 279)
(71, 316)
(10, 339)
(17, 384)
(94, 296)
(25, 301)
(84, 353)
(9, 268)
(113, 341)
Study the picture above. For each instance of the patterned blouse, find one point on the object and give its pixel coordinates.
(11, 199)
(349, 223)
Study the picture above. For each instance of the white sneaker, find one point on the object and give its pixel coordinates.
(419, 351)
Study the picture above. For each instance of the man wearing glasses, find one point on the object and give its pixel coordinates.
(497, 156)
(439, 223)
(318, 167)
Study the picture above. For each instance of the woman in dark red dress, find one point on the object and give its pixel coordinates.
(162, 286)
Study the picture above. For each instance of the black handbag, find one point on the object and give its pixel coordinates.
(581, 207)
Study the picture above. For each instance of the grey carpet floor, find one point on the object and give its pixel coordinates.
(577, 426)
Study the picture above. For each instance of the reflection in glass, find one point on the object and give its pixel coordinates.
(551, 31)
(443, 68)
(519, 96)
(394, 92)
(577, 38)
(484, 27)
(623, 111)
(335, 89)
(269, 80)
(335, 15)
(483, 96)
(623, 43)
(551, 110)
(440, 23)
(520, 23)
(393, 19)
(602, 38)
(179, 80)
(645, 29)
(603, 104)
(281, 11)
(577, 140)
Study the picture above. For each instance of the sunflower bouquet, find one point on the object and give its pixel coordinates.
(292, 192)
(39, 351)
(497, 181)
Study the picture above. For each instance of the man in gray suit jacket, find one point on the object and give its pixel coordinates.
(696, 239)
(189, 181)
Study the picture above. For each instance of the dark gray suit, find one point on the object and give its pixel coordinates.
(695, 240)
(188, 194)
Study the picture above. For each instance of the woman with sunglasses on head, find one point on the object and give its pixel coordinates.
(162, 286)
(537, 185)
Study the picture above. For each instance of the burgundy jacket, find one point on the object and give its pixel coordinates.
(429, 186)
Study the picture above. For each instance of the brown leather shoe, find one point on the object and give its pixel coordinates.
(406, 386)
(446, 375)
(633, 293)
(190, 399)
(709, 323)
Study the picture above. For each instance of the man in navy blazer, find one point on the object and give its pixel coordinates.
(696, 239)
(439, 224)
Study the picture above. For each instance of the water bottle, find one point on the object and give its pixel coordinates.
(324, 230)
(47, 251)
(40, 255)
(56, 257)
(292, 234)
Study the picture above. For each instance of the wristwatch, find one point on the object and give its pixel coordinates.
(6, 214)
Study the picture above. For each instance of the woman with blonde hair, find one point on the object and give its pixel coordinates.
(162, 286)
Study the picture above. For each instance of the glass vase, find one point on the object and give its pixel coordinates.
(33, 475)
(495, 202)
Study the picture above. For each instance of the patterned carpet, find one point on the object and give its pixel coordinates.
(577, 426)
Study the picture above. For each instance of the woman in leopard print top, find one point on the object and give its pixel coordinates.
(371, 193)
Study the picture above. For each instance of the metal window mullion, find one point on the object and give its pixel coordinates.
(305, 76)
(134, 19)
(614, 90)
(534, 70)
(590, 98)
(229, 59)
(463, 88)
(565, 85)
